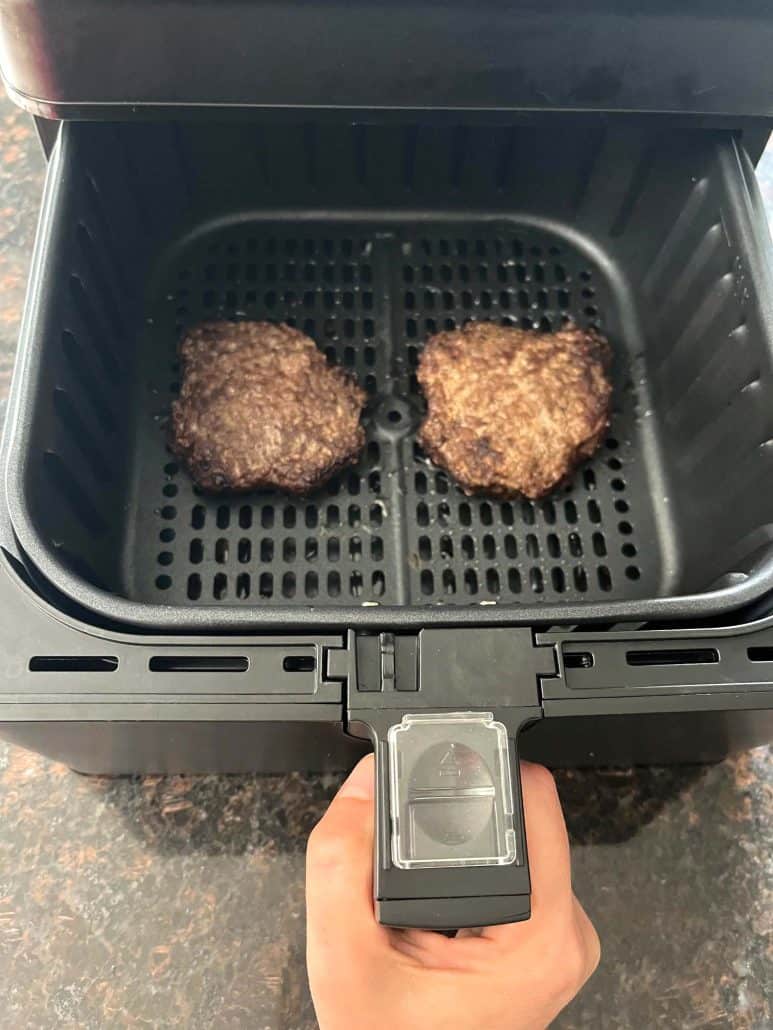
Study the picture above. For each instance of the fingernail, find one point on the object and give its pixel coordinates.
(359, 784)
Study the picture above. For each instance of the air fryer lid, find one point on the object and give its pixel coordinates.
(95, 58)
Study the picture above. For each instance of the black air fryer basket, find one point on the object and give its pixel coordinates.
(621, 619)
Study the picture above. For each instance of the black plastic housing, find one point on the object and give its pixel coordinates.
(93, 59)
(370, 236)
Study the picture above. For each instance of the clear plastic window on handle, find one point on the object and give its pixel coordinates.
(451, 794)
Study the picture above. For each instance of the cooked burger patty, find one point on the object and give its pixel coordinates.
(513, 411)
(259, 406)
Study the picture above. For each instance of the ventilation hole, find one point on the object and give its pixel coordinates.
(420, 482)
(628, 550)
(166, 536)
(615, 464)
(589, 478)
(465, 514)
(446, 548)
(492, 581)
(514, 581)
(575, 545)
(625, 528)
(605, 578)
(422, 514)
(352, 485)
(677, 656)
(288, 584)
(266, 550)
(194, 587)
(220, 586)
(527, 513)
(223, 516)
(618, 484)
(267, 517)
(532, 546)
(486, 514)
(511, 546)
(580, 578)
(536, 580)
(169, 512)
(444, 513)
(553, 545)
(374, 482)
(332, 516)
(354, 516)
(633, 572)
(594, 512)
(355, 584)
(508, 514)
(621, 506)
(221, 551)
(378, 583)
(470, 581)
(288, 549)
(558, 579)
(467, 545)
(376, 515)
(245, 516)
(612, 443)
(170, 490)
(244, 550)
(355, 548)
(377, 548)
(599, 544)
(570, 512)
(549, 512)
(425, 548)
(441, 483)
(311, 584)
(288, 518)
(196, 551)
(489, 546)
(310, 549)
(266, 585)
(243, 586)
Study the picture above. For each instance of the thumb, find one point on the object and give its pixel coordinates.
(339, 876)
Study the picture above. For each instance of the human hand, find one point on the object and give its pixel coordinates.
(515, 977)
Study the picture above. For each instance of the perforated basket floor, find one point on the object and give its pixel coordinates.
(394, 530)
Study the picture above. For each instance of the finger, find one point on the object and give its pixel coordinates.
(339, 873)
(547, 841)
(548, 848)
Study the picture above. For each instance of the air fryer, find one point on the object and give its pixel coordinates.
(623, 618)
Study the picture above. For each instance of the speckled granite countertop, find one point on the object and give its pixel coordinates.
(179, 901)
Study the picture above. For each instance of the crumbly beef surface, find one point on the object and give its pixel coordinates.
(513, 411)
(260, 407)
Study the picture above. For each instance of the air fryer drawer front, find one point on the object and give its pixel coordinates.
(88, 58)
(445, 710)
